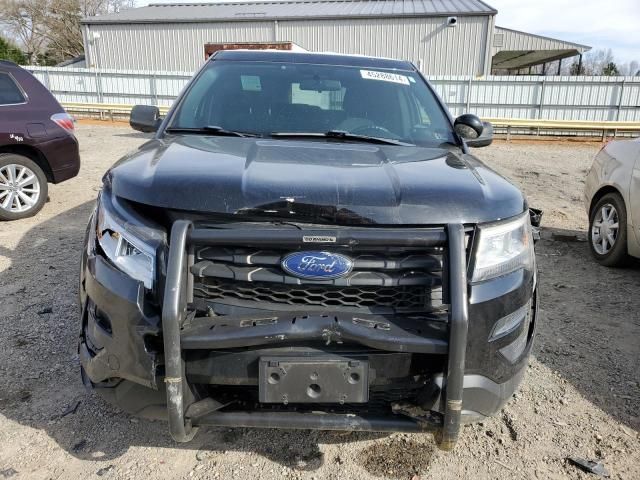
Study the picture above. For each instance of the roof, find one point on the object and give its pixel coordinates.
(514, 49)
(292, 9)
(72, 61)
(518, 40)
(7, 64)
(318, 58)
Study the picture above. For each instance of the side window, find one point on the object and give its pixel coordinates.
(196, 108)
(9, 92)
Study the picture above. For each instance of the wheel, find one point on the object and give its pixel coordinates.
(23, 187)
(608, 231)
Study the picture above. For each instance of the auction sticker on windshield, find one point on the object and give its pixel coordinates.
(384, 76)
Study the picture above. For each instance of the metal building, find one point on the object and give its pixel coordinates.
(442, 37)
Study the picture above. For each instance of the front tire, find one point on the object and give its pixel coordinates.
(23, 187)
(608, 231)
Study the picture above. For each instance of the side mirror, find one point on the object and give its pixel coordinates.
(145, 118)
(473, 130)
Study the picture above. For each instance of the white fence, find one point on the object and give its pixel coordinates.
(593, 99)
(112, 86)
(526, 97)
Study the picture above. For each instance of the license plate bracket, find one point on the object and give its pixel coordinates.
(338, 380)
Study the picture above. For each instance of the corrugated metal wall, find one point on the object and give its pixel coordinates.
(527, 97)
(169, 47)
(426, 41)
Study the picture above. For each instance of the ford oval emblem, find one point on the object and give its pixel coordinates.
(317, 265)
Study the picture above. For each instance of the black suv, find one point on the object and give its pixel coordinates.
(306, 242)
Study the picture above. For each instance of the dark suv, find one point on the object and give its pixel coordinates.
(37, 144)
(307, 243)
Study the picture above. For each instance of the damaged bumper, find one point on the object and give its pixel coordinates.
(192, 369)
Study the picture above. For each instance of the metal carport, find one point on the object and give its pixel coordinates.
(514, 50)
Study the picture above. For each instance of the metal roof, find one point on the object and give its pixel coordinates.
(514, 49)
(518, 40)
(293, 9)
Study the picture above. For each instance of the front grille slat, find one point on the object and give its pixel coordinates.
(431, 262)
(383, 280)
(394, 299)
(264, 274)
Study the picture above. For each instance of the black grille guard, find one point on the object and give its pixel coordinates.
(372, 331)
(369, 330)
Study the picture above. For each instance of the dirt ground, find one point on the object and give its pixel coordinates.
(580, 397)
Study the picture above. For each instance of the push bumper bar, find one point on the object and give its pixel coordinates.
(183, 421)
(305, 421)
(370, 330)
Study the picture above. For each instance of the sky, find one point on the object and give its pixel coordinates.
(601, 24)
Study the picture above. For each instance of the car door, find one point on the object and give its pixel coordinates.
(634, 199)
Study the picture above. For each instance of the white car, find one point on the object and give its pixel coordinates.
(612, 198)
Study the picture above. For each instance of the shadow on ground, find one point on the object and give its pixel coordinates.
(588, 333)
(42, 386)
(590, 323)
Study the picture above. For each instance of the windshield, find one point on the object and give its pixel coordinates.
(266, 98)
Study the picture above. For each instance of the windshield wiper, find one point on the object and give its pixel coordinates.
(341, 135)
(211, 130)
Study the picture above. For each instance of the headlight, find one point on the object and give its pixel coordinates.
(127, 245)
(503, 248)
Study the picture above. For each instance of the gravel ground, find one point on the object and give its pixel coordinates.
(580, 396)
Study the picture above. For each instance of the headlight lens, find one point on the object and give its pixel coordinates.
(503, 248)
(127, 251)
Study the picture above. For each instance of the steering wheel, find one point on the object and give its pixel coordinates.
(374, 130)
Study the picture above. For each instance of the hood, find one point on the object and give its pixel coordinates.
(344, 183)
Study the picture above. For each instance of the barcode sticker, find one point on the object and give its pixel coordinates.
(384, 76)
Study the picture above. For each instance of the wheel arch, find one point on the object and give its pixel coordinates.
(602, 191)
(32, 153)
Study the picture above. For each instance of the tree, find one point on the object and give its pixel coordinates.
(577, 69)
(631, 68)
(595, 61)
(25, 20)
(602, 62)
(51, 28)
(49, 58)
(10, 51)
(610, 70)
(62, 29)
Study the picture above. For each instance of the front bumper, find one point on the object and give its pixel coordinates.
(129, 347)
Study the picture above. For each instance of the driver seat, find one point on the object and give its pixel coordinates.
(374, 105)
